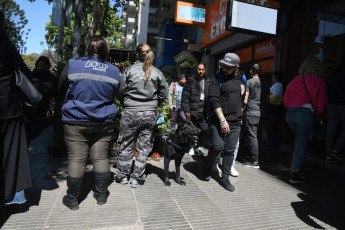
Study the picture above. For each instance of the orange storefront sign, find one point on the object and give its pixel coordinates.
(245, 54)
(263, 50)
(216, 17)
(266, 66)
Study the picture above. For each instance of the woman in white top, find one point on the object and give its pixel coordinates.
(275, 112)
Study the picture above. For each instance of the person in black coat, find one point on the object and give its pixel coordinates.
(14, 159)
(226, 98)
(46, 83)
(195, 103)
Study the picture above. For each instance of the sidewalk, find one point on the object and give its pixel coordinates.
(263, 198)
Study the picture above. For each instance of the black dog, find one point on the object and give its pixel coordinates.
(176, 145)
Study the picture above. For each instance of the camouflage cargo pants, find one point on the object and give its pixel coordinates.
(135, 127)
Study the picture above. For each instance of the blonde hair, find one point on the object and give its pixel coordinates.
(311, 65)
(146, 56)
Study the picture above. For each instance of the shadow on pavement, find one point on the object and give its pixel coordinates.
(322, 195)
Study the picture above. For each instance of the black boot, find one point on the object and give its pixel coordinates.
(101, 187)
(71, 199)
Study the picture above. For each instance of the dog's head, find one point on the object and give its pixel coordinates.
(187, 132)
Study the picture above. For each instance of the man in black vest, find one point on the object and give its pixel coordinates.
(194, 101)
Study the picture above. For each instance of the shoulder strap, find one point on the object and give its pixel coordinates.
(220, 79)
(174, 87)
(305, 85)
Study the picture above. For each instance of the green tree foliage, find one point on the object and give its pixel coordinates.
(30, 60)
(16, 22)
(108, 25)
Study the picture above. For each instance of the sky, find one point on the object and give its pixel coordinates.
(37, 14)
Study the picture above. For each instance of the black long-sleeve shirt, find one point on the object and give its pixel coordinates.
(228, 94)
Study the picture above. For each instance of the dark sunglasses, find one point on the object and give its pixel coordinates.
(226, 67)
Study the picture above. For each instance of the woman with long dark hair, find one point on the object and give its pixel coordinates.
(14, 160)
(88, 115)
(143, 89)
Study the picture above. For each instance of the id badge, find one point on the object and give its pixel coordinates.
(202, 96)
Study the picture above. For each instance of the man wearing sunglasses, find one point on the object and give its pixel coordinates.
(226, 96)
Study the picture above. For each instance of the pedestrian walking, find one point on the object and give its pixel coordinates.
(226, 98)
(15, 174)
(89, 85)
(143, 89)
(305, 95)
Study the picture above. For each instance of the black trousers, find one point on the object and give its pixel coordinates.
(201, 123)
(251, 137)
(225, 143)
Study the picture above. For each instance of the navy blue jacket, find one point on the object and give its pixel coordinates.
(92, 87)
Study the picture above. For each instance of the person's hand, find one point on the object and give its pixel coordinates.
(49, 85)
(187, 114)
(38, 86)
(224, 126)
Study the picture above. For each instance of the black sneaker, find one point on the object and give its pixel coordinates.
(296, 178)
(226, 184)
(336, 157)
(330, 160)
(208, 174)
(253, 164)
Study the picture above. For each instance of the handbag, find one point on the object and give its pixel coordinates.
(30, 95)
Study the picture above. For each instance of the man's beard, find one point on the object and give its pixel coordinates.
(233, 74)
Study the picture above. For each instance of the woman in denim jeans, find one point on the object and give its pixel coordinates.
(301, 108)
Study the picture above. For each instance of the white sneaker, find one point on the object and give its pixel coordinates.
(200, 151)
(219, 168)
(233, 172)
(191, 152)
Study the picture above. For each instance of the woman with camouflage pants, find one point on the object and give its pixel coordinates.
(143, 88)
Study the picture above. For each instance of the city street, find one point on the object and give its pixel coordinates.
(263, 198)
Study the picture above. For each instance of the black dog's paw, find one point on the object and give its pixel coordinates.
(182, 183)
(167, 183)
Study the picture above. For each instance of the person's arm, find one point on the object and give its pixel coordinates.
(214, 98)
(63, 82)
(287, 97)
(123, 86)
(170, 96)
(20, 63)
(163, 90)
(186, 98)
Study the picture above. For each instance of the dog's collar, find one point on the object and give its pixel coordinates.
(176, 145)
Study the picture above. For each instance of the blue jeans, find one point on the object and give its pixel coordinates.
(301, 122)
